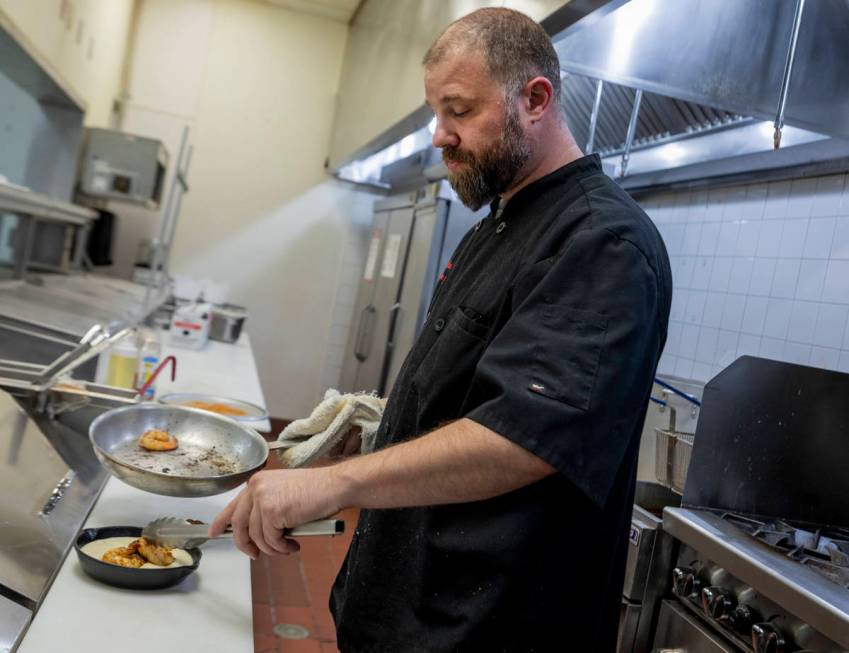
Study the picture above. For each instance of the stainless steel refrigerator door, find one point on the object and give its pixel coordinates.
(420, 276)
(383, 274)
(387, 290)
(362, 324)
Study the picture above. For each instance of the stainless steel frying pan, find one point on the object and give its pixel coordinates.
(214, 453)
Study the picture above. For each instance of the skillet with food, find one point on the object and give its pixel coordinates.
(176, 450)
(108, 555)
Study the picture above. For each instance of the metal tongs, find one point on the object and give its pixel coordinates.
(95, 341)
(180, 533)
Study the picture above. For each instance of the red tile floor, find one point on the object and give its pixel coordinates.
(294, 590)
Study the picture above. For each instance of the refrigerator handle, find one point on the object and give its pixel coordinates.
(395, 325)
(363, 347)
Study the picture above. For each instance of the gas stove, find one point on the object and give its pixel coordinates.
(761, 588)
(755, 571)
(822, 548)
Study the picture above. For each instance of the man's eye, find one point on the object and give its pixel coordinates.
(459, 114)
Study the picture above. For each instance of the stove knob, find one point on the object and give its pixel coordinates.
(685, 581)
(718, 603)
(766, 638)
(743, 618)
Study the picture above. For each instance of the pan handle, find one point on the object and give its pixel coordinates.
(320, 527)
(284, 444)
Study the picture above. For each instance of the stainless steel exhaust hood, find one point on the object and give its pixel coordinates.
(683, 92)
(724, 53)
(713, 77)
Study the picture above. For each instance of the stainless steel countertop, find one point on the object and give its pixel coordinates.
(18, 200)
(73, 304)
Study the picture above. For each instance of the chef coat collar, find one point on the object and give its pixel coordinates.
(572, 171)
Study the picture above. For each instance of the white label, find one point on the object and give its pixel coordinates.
(100, 184)
(371, 259)
(390, 257)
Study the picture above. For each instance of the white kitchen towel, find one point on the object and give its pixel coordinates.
(329, 422)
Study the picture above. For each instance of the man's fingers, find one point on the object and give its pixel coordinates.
(273, 536)
(352, 443)
(222, 520)
(255, 531)
(240, 521)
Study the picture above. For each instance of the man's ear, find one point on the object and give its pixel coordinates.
(537, 96)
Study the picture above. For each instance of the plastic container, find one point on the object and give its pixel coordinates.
(190, 325)
(149, 354)
(123, 363)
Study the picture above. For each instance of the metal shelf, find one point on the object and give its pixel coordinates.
(27, 203)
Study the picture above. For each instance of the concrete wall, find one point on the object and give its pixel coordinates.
(256, 85)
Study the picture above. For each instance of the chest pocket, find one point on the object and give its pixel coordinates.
(443, 377)
(567, 354)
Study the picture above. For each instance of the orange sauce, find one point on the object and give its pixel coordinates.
(221, 409)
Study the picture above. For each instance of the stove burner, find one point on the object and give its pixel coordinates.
(825, 549)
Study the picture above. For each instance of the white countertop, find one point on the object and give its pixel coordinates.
(211, 610)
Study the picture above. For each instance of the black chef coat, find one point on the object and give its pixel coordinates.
(546, 327)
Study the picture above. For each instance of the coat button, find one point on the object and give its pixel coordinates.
(439, 325)
(501, 226)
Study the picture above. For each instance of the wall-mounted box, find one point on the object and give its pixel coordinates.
(119, 166)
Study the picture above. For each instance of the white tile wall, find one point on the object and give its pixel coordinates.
(759, 269)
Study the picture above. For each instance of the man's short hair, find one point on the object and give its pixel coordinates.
(515, 47)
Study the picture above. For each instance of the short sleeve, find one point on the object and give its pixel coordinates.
(568, 376)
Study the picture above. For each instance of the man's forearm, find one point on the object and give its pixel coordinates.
(457, 463)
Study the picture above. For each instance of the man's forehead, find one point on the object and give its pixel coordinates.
(449, 93)
(456, 76)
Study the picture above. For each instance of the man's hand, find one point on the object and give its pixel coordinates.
(350, 445)
(274, 500)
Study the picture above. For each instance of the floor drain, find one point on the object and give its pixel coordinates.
(291, 631)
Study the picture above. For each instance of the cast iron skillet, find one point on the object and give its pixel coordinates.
(137, 579)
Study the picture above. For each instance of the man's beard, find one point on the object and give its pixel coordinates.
(494, 170)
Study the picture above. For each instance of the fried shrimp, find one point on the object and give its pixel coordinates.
(124, 556)
(156, 555)
(156, 440)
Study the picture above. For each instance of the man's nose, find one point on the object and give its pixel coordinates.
(444, 138)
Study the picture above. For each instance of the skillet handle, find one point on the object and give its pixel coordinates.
(284, 444)
(320, 527)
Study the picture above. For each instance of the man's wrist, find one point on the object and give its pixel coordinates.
(343, 483)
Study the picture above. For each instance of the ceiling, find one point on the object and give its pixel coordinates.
(341, 10)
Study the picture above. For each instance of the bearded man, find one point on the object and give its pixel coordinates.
(497, 503)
